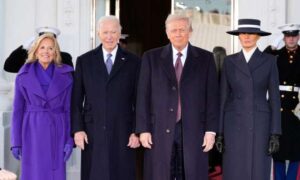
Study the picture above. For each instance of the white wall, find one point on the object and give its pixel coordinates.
(293, 14)
(272, 14)
(1, 30)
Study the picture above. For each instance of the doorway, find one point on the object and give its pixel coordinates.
(143, 22)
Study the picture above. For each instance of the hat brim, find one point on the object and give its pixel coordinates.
(254, 31)
(291, 33)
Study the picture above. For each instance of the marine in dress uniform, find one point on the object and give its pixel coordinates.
(17, 58)
(288, 62)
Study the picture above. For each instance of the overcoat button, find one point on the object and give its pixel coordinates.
(168, 131)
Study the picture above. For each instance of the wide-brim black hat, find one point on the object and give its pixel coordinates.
(249, 26)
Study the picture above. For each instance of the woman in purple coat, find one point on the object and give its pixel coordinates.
(40, 135)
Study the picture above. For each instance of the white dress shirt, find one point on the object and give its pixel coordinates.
(113, 53)
(183, 59)
(249, 54)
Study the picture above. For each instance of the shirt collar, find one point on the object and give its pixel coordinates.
(113, 53)
(183, 52)
(249, 54)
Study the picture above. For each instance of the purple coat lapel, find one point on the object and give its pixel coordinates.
(30, 80)
(60, 81)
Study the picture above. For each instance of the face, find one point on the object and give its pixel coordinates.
(178, 32)
(109, 35)
(45, 53)
(248, 41)
(291, 42)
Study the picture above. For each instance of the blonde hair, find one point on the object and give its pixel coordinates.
(178, 17)
(31, 54)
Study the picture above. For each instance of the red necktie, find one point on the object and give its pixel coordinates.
(178, 71)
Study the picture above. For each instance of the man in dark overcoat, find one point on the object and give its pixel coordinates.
(103, 107)
(288, 63)
(250, 107)
(177, 106)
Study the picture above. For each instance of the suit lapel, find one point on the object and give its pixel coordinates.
(98, 65)
(256, 60)
(119, 62)
(190, 64)
(167, 63)
(241, 63)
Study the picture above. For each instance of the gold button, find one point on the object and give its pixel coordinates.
(290, 61)
(294, 97)
(291, 57)
(284, 82)
(282, 96)
(281, 109)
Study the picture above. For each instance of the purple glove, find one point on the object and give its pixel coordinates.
(16, 152)
(68, 151)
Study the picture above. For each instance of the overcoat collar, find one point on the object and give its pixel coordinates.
(98, 61)
(168, 66)
(254, 62)
(60, 81)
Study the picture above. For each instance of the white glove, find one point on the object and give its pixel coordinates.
(297, 109)
(278, 43)
(28, 43)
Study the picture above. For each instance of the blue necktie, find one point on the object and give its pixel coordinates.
(108, 63)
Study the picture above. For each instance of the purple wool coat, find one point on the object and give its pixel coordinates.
(41, 122)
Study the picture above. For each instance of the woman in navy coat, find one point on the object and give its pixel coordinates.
(40, 135)
(250, 108)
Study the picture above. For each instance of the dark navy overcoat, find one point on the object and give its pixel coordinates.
(248, 117)
(104, 107)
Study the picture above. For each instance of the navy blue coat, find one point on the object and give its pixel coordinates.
(104, 107)
(157, 107)
(247, 118)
